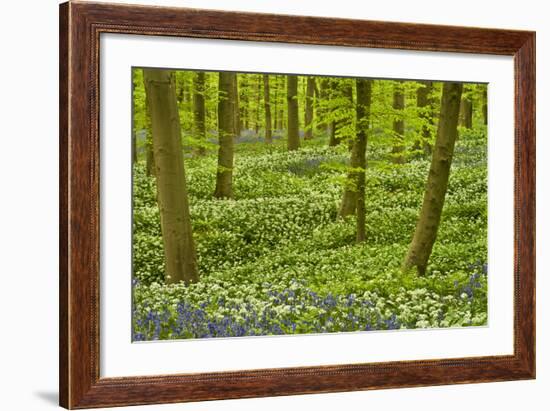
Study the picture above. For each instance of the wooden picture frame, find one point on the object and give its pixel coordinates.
(81, 24)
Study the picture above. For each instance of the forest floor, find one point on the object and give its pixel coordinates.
(277, 260)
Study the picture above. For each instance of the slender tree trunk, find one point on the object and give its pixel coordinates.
(424, 102)
(199, 112)
(236, 110)
(275, 104)
(267, 108)
(134, 148)
(364, 96)
(134, 131)
(244, 102)
(179, 87)
(258, 100)
(427, 226)
(466, 113)
(281, 125)
(344, 91)
(358, 147)
(333, 140)
(333, 125)
(398, 125)
(308, 116)
(226, 135)
(293, 122)
(149, 157)
(177, 236)
(321, 111)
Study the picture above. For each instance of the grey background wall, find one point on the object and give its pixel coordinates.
(28, 204)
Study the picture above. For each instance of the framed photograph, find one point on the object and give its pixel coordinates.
(258, 205)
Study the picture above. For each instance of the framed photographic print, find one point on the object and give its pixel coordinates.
(256, 205)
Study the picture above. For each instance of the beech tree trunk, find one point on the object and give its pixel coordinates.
(358, 147)
(344, 91)
(258, 99)
(322, 91)
(424, 102)
(149, 157)
(308, 115)
(275, 123)
(362, 110)
(293, 141)
(466, 113)
(267, 109)
(226, 135)
(427, 226)
(243, 104)
(177, 236)
(398, 125)
(199, 112)
(281, 85)
(134, 148)
(236, 103)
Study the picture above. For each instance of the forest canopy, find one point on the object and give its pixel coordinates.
(269, 204)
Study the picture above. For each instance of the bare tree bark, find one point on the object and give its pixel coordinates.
(267, 108)
(308, 117)
(398, 124)
(281, 84)
(425, 104)
(177, 236)
(258, 100)
(364, 96)
(199, 112)
(236, 103)
(149, 157)
(322, 94)
(226, 135)
(243, 106)
(357, 148)
(427, 226)
(293, 141)
(466, 112)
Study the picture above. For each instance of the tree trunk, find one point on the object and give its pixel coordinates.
(134, 148)
(199, 113)
(258, 100)
(275, 105)
(427, 226)
(293, 141)
(466, 113)
(236, 111)
(333, 125)
(149, 157)
(343, 91)
(322, 125)
(267, 108)
(358, 147)
(177, 236)
(424, 102)
(243, 103)
(308, 115)
(226, 135)
(333, 140)
(281, 116)
(364, 96)
(398, 125)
